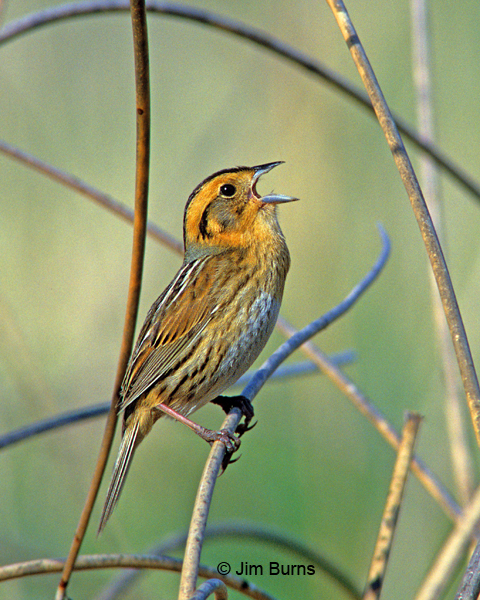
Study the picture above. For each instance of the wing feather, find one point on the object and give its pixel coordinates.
(172, 328)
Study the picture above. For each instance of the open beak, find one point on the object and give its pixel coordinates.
(269, 198)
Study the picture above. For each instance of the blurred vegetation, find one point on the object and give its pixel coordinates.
(313, 467)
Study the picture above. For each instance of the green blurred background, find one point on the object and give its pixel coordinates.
(313, 467)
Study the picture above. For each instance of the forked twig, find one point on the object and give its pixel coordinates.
(142, 93)
(391, 511)
(409, 179)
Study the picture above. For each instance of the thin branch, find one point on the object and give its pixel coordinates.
(432, 244)
(242, 530)
(75, 183)
(245, 32)
(142, 94)
(97, 410)
(452, 552)
(125, 561)
(391, 511)
(51, 423)
(455, 422)
(214, 461)
(366, 407)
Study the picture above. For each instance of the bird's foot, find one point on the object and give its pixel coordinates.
(245, 407)
(229, 440)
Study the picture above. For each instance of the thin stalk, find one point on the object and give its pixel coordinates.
(391, 511)
(142, 86)
(424, 220)
(455, 421)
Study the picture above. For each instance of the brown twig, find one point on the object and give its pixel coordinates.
(409, 179)
(391, 511)
(142, 87)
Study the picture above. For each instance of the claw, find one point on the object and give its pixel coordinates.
(244, 427)
(227, 460)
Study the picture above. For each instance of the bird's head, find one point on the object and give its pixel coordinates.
(226, 211)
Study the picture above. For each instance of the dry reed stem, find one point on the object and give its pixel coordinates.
(391, 511)
(142, 94)
(455, 421)
(409, 179)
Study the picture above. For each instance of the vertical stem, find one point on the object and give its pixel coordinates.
(391, 511)
(455, 422)
(140, 41)
(409, 179)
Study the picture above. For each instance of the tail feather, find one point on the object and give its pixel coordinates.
(120, 471)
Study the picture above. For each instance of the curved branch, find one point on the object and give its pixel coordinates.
(251, 34)
(242, 530)
(212, 586)
(132, 561)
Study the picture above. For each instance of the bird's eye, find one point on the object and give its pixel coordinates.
(228, 190)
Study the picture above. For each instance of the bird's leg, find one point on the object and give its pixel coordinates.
(230, 441)
(243, 404)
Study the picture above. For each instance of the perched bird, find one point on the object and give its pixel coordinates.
(215, 317)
